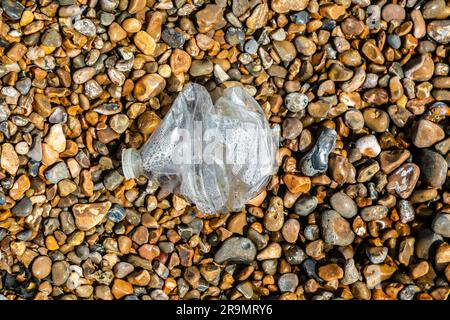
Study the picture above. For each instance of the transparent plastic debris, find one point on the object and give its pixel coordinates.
(217, 156)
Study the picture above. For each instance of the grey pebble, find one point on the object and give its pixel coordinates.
(23, 208)
(343, 204)
(288, 282)
(236, 250)
(173, 38)
(305, 205)
(57, 173)
(316, 160)
(441, 224)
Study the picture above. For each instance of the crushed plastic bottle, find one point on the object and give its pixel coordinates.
(217, 156)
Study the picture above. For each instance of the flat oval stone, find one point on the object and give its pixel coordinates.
(343, 204)
(236, 250)
(352, 27)
(288, 282)
(145, 43)
(60, 273)
(393, 12)
(305, 205)
(296, 101)
(41, 267)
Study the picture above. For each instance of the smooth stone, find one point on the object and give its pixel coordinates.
(352, 27)
(122, 269)
(236, 250)
(377, 255)
(405, 210)
(426, 240)
(89, 215)
(41, 267)
(235, 36)
(403, 180)
(272, 251)
(290, 230)
(85, 27)
(392, 159)
(420, 68)
(284, 6)
(316, 160)
(23, 208)
(439, 30)
(57, 173)
(116, 213)
(394, 41)
(354, 119)
(83, 75)
(9, 160)
(376, 119)
(149, 86)
(393, 12)
(305, 205)
(42, 105)
(368, 146)
(296, 102)
(426, 133)
(343, 204)
(301, 17)
(35, 152)
(373, 213)
(51, 38)
(335, 229)
(285, 49)
(145, 43)
(180, 61)
(339, 73)
(288, 282)
(433, 168)
(56, 138)
(305, 45)
(441, 224)
(201, 68)
(13, 9)
(173, 38)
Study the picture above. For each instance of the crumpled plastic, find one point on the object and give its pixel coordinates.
(217, 156)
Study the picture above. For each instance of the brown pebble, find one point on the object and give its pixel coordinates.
(41, 267)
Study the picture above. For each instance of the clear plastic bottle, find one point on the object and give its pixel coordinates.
(218, 156)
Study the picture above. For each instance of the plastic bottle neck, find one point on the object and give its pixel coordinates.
(132, 164)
